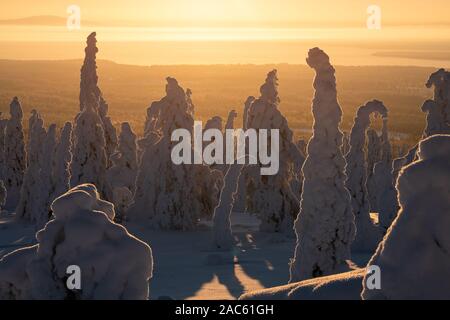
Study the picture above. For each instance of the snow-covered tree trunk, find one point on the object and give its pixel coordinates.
(122, 174)
(3, 195)
(413, 257)
(386, 193)
(89, 156)
(61, 161)
(113, 264)
(242, 195)
(110, 132)
(325, 226)
(223, 235)
(46, 176)
(32, 195)
(273, 200)
(373, 156)
(367, 235)
(3, 124)
(15, 155)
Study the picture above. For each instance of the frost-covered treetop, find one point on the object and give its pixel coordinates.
(15, 109)
(89, 78)
(374, 106)
(269, 90)
(173, 111)
(91, 201)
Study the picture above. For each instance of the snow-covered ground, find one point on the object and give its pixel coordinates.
(187, 266)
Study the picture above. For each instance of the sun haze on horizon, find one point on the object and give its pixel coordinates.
(223, 31)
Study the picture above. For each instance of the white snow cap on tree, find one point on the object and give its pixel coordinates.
(438, 109)
(80, 234)
(367, 234)
(15, 156)
(170, 196)
(31, 201)
(414, 256)
(223, 235)
(325, 226)
(273, 200)
(89, 156)
(61, 161)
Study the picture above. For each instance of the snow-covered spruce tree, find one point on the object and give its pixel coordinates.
(61, 162)
(46, 174)
(413, 257)
(222, 233)
(373, 156)
(170, 196)
(89, 87)
(367, 234)
(110, 132)
(89, 156)
(242, 200)
(386, 194)
(216, 124)
(15, 155)
(325, 226)
(438, 118)
(438, 114)
(82, 233)
(123, 172)
(274, 201)
(32, 195)
(3, 123)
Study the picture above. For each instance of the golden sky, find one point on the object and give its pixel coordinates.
(261, 13)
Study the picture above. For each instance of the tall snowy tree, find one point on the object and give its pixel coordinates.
(242, 200)
(367, 234)
(386, 194)
(274, 201)
(413, 257)
(15, 155)
(222, 233)
(31, 195)
(89, 87)
(61, 161)
(123, 172)
(46, 175)
(325, 226)
(373, 156)
(3, 124)
(89, 155)
(170, 196)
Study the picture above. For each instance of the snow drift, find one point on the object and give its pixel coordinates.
(414, 256)
(113, 263)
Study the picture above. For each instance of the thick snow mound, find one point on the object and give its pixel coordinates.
(414, 257)
(113, 263)
(342, 286)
